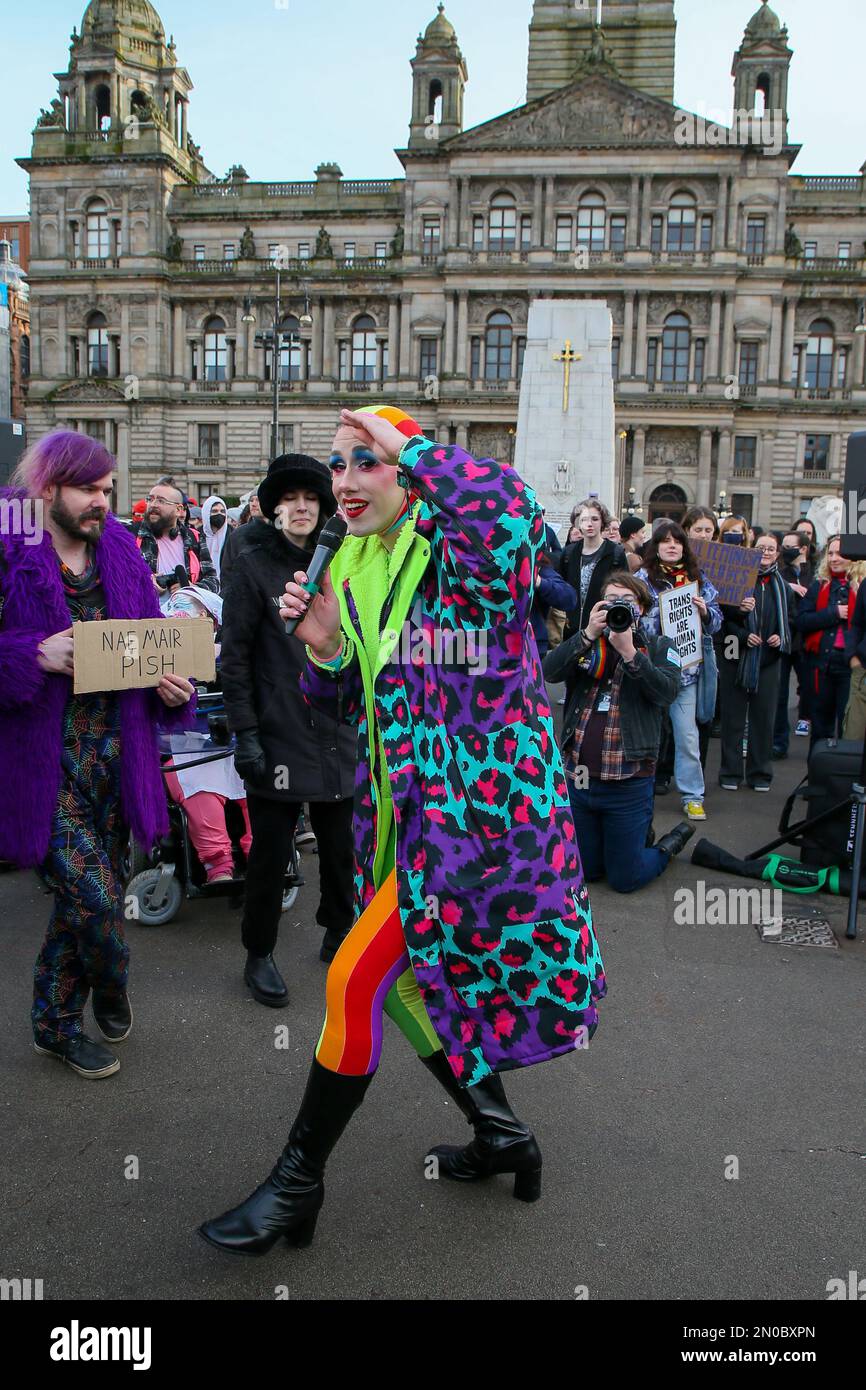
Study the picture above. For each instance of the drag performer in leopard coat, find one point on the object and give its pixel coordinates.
(473, 927)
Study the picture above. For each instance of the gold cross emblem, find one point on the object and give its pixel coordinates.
(566, 357)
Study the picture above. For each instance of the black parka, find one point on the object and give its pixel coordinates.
(260, 667)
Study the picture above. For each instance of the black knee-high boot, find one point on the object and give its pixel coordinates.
(502, 1143)
(287, 1205)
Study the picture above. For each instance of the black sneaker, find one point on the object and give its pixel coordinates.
(760, 786)
(82, 1054)
(112, 1016)
(663, 786)
(728, 784)
(331, 943)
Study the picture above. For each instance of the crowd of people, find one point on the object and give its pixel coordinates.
(455, 830)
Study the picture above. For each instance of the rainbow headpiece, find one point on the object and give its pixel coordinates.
(398, 418)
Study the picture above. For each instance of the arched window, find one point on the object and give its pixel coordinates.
(667, 500)
(178, 120)
(682, 218)
(503, 223)
(290, 349)
(215, 350)
(364, 349)
(676, 341)
(138, 104)
(102, 102)
(434, 103)
(98, 231)
(819, 355)
(498, 342)
(762, 94)
(591, 217)
(97, 345)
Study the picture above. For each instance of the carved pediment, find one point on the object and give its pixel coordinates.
(93, 391)
(595, 110)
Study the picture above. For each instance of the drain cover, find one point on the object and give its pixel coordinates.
(798, 931)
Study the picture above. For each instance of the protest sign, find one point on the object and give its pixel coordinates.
(732, 568)
(123, 655)
(681, 621)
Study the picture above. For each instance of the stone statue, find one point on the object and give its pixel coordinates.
(324, 250)
(54, 117)
(247, 249)
(193, 150)
(174, 249)
(793, 244)
(398, 241)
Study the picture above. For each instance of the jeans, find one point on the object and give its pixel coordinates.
(611, 820)
(687, 758)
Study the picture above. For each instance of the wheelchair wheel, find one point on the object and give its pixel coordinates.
(135, 860)
(157, 897)
(289, 898)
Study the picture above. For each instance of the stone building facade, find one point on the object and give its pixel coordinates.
(736, 286)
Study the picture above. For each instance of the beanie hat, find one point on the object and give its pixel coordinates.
(296, 471)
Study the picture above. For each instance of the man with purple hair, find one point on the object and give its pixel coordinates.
(77, 771)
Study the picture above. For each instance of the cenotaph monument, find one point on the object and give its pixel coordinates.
(566, 426)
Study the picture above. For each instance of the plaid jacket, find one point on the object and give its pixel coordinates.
(146, 541)
(615, 766)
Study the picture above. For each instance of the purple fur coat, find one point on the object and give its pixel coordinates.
(32, 701)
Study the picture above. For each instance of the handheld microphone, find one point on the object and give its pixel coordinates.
(332, 537)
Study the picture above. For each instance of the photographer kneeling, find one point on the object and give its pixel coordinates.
(619, 683)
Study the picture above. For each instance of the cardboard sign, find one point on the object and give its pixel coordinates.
(681, 621)
(120, 655)
(732, 568)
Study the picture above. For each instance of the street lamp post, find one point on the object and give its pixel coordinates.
(274, 341)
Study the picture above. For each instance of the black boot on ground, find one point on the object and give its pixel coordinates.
(502, 1143)
(677, 839)
(112, 1015)
(287, 1205)
(265, 981)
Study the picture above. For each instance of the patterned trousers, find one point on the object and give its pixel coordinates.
(84, 946)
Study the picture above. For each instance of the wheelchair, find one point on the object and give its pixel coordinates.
(158, 881)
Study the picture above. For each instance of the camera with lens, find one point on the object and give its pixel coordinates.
(621, 615)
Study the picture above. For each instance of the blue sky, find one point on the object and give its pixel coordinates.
(281, 85)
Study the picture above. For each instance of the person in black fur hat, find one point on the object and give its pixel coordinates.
(287, 753)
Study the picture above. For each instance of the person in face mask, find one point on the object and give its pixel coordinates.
(215, 515)
(734, 530)
(825, 618)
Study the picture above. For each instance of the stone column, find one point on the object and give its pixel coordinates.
(318, 342)
(405, 336)
(715, 328)
(462, 365)
(720, 238)
(463, 437)
(465, 224)
(82, 104)
(857, 359)
(328, 344)
(64, 366)
(549, 195)
(393, 336)
(152, 340)
(448, 360)
(627, 364)
(242, 357)
(788, 341)
(124, 495)
(728, 342)
(772, 373)
(705, 455)
(637, 463)
(725, 444)
(124, 223)
(125, 353)
(538, 212)
(766, 449)
(646, 211)
(633, 212)
(641, 340)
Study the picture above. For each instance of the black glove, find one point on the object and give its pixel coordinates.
(250, 759)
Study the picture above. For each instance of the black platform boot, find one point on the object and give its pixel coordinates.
(502, 1143)
(287, 1205)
